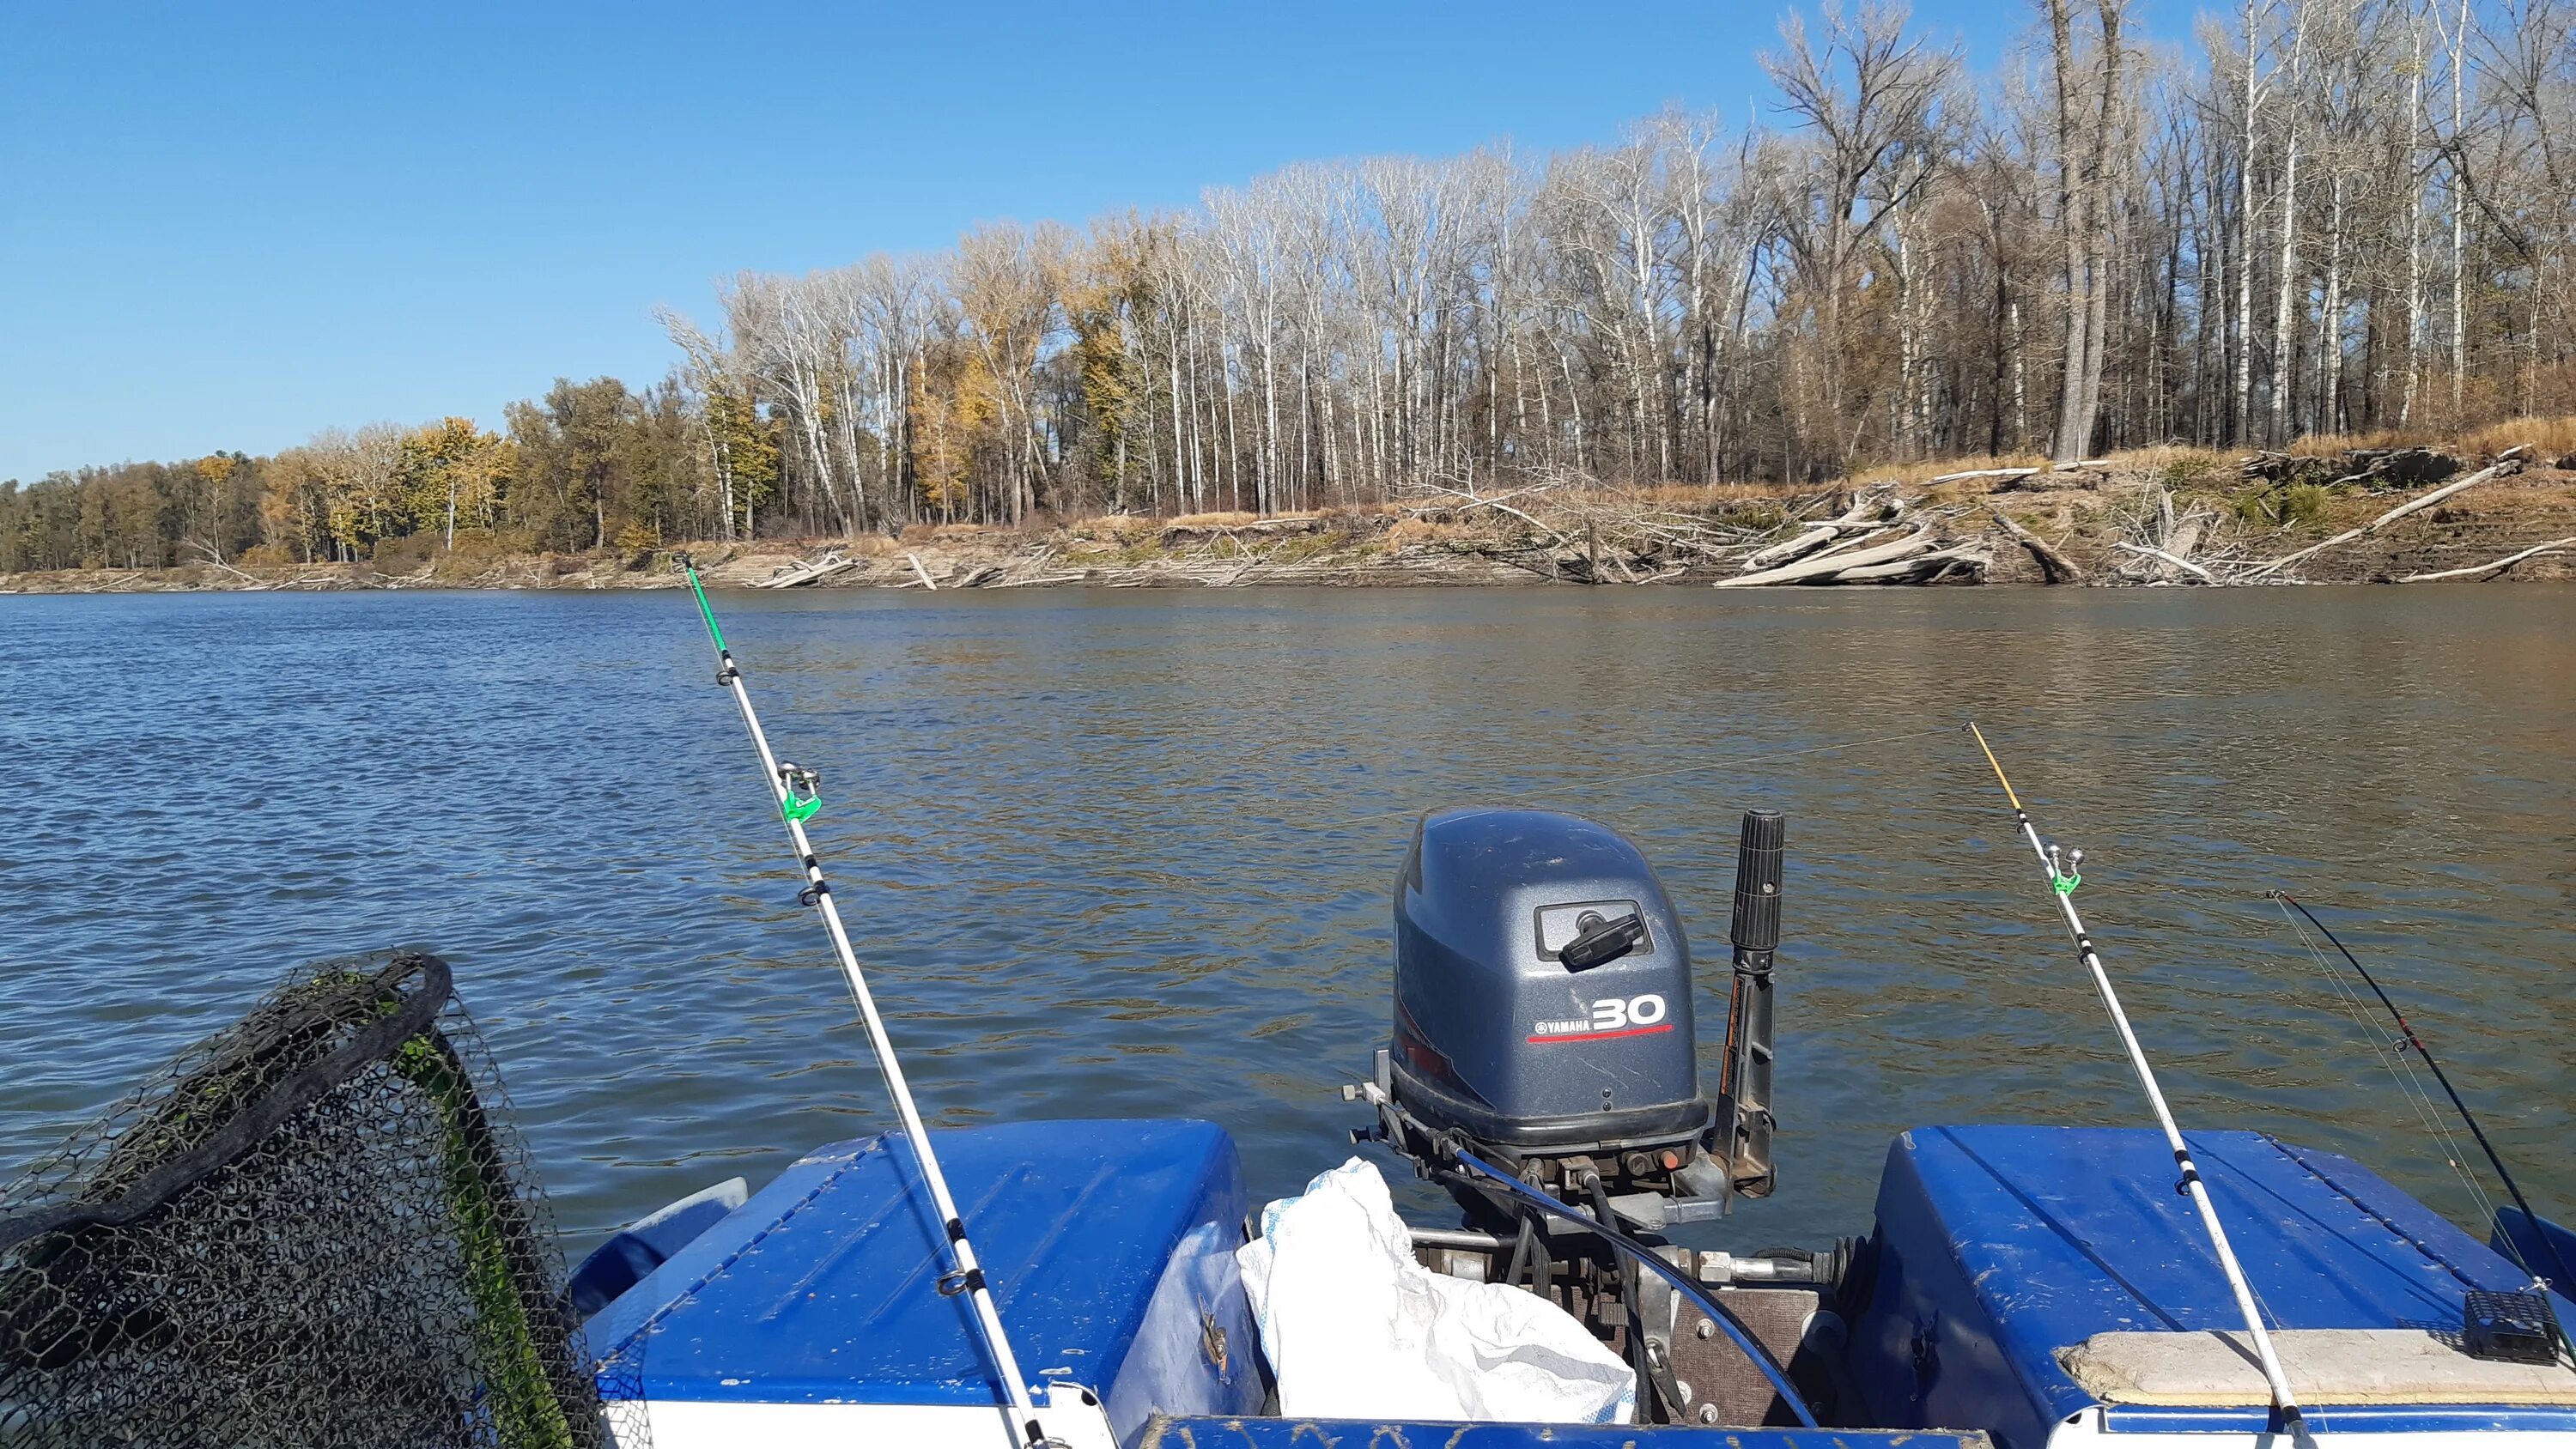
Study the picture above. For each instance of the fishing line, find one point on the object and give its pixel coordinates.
(1598, 782)
(2389, 1046)
(2467, 1118)
(2401, 1068)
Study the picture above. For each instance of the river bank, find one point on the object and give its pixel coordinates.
(2161, 516)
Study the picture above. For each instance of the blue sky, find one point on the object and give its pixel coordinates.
(227, 231)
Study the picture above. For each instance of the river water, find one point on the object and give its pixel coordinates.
(1126, 853)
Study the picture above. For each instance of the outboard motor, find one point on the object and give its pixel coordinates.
(1543, 1023)
(1543, 1014)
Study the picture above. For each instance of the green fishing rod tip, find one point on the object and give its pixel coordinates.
(706, 610)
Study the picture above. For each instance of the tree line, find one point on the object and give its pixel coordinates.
(2316, 216)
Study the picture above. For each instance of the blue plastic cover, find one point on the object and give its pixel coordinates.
(1212, 1433)
(2544, 1247)
(623, 1261)
(1999, 1246)
(1109, 1245)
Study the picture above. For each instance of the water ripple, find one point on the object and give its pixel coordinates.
(1117, 854)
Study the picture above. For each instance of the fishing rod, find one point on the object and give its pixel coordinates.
(2286, 1417)
(793, 790)
(2406, 1030)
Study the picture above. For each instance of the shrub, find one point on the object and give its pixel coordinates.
(2282, 504)
(2189, 466)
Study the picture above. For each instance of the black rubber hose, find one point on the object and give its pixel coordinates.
(1647, 1258)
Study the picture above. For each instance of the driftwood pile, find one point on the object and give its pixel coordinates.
(1587, 537)
(2370, 467)
(1863, 546)
(1568, 534)
(1566, 531)
(2161, 546)
(808, 571)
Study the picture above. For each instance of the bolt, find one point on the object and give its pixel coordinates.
(1708, 1413)
(1706, 1329)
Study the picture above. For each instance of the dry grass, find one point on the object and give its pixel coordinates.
(2550, 436)
(1361, 515)
(1693, 497)
(1116, 527)
(2176, 466)
(1422, 530)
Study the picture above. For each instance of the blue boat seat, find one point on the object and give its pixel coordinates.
(814, 1310)
(1998, 1249)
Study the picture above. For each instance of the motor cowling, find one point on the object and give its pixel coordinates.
(1542, 990)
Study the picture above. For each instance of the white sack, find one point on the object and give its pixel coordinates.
(1356, 1329)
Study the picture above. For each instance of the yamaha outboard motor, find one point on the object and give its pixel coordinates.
(1543, 1023)
(1543, 1014)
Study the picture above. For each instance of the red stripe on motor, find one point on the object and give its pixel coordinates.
(1603, 1035)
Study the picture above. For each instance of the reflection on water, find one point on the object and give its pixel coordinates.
(1126, 853)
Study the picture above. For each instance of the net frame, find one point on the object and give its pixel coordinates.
(316, 1227)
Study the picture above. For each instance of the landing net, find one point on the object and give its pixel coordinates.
(315, 1228)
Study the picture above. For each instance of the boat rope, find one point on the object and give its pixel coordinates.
(2406, 1031)
(2286, 1417)
(1653, 1262)
(794, 791)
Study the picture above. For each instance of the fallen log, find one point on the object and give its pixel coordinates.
(2181, 539)
(2507, 462)
(1825, 565)
(2383, 467)
(1921, 568)
(1864, 516)
(922, 572)
(1985, 473)
(2498, 566)
(807, 571)
(2054, 567)
(2170, 560)
(2404, 467)
(250, 584)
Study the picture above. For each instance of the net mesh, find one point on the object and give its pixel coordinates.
(315, 1228)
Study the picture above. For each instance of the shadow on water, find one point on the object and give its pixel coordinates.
(1122, 853)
